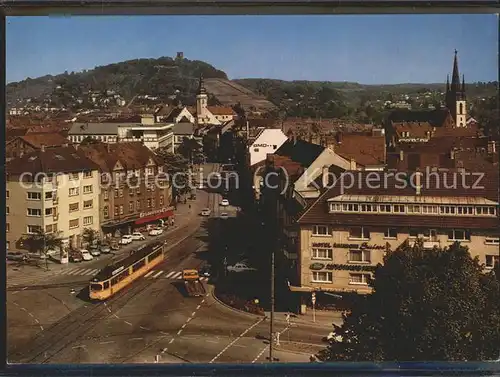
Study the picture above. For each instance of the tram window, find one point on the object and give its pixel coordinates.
(96, 287)
(154, 255)
(139, 265)
(106, 284)
(119, 277)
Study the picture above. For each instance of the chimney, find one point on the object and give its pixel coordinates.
(339, 137)
(42, 147)
(492, 148)
(452, 154)
(401, 155)
(325, 176)
(418, 182)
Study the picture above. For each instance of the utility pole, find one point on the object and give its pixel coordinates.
(271, 337)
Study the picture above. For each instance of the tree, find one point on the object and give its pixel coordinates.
(177, 168)
(188, 148)
(90, 235)
(41, 242)
(426, 305)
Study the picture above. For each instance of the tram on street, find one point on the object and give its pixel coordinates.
(117, 276)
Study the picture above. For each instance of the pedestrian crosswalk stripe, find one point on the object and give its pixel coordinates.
(170, 274)
(95, 271)
(158, 274)
(88, 271)
(76, 271)
(149, 273)
(177, 275)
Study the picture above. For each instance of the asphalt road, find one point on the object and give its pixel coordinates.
(152, 318)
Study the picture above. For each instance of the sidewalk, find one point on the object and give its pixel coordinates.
(322, 318)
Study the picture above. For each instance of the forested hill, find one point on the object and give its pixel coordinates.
(160, 77)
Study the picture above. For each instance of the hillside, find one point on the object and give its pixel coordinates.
(160, 78)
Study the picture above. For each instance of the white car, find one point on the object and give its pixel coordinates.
(224, 216)
(137, 236)
(224, 202)
(155, 232)
(126, 239)
(86, 255)
(206, 212)
(240, 267)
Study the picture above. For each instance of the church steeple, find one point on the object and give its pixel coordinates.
(447, 83)
(455, 95)
(463, 85)
(201, 86)
(455, 77)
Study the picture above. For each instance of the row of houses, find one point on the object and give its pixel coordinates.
(343, 202)
(112, 189)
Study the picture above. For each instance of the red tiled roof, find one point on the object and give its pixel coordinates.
(221, 110)
(36, 140)
(366, 150)
(51, 160)
(416, 130)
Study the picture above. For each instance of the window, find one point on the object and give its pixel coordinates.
(160, 169)
(34, 196)
(359, 233)
(131, 206)
(88, 220)
(398, 208)
(49, 211)
(138, 204)
(492, 260)
(120, 192)
(413, 208)
(153, 202)
(34, 229)
(51, 228)
(391, 233)
(116, 193)
(321, 253)
(384, 208)
(7, 194)
(73, 176)
(485, 210)
(458, 235)
(131, 191)
(149, 203)
(322, 277)
(105, 195)
(87, 204)
(73, 191)
(116, 210)
(139, 265)
(87, 174)
(7, 228)
(73, 207)
(361, 279)
(465, 210)
(320, 230)
(34, 212)
(87, 189)
(105, 212)
(366, 208)
(430, 234)
(430, 209)
(413, 233)
(161, 200)
(492, 241)
(359, 256)
(121, 209)
(74, 223)
(6, 210)
(49, 195)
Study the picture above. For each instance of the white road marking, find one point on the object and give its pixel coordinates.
(24, 309)
(192, 314)
(177, 275)
(114, 315)
(144, 328)
(136, 339)
(199, 306)
(109, 310)
(128, 323)
(158, 274)
(31, 315)
(149, 273)
(260, 354)
(170, 274)
(25, 288)
(37, 321)
(164, 333)
(179, 332)
(15, 292)
(189, 319)
(211, 341)
(183, 326)
(87, 271)
(108, 342)
(76, 271)
(41, 327)
(95, 271)
(15, 303)
(171, 341)
(234, 341)
(82, 346)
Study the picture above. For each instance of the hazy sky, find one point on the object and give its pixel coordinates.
(366, 49)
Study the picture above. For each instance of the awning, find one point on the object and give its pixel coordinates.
(118, 223)
(154, 217)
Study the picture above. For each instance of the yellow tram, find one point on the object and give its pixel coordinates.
(117, 276)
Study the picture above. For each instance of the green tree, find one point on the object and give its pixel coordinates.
(189, 148)
(90, 235)
(177, 168)
(426, 305)
(41, 242)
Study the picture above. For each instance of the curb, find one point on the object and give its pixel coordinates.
(228, 307)
(281, 349)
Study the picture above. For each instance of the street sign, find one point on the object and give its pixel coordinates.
(313, 297)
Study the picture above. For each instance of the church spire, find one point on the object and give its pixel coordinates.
(463, 84)
(455, 77)
(447, 83)
(201, 86)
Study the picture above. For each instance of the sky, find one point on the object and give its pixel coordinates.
(369, 49)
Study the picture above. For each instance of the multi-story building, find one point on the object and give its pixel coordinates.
(153, 135)
(135, 190)
(54, 190)
(349, 229)
(32, 142)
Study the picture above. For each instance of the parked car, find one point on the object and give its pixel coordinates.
(224, 216)
(115, 246)
(137, 236)
(16, 256)
(155, 232)
(206, 212)
(75, 257)
(36, 256)
(105, 249)
(126, 239)
(224, 202)
(94, 251)
(86, 256)
(240, 267)
(205, 271)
